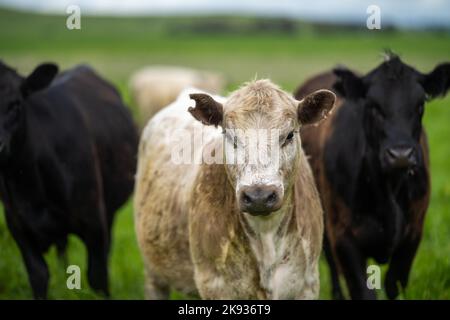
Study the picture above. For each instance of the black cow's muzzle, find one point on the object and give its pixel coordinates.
(400, 157)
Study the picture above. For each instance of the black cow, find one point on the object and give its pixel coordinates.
(67, 160)
(370, 160)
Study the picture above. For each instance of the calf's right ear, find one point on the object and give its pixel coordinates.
(207, 110)
(315, 106)
(40, 78)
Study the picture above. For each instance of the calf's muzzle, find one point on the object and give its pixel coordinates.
(260, 200)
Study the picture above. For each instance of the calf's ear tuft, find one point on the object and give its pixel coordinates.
(40, 78)
(315, 106)
(437, 82)
(207, 110)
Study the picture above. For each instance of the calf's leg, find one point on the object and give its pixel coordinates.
(155, 287)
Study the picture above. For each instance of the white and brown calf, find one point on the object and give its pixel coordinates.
(245, 230)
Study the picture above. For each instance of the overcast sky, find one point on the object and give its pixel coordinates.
(409, 13)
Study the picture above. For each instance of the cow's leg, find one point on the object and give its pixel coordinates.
(155, 287)
(336, 290)
(400, 266)
(97, 243)
(96, 237)
(61, 247)
(96, 234)
(37, 269)
(353, 266)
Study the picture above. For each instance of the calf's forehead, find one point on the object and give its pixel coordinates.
(276, 119)
(260, 107)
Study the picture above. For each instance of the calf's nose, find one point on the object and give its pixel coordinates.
(260, 199)
(400, 157)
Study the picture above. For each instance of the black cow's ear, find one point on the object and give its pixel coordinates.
(315, 106)
(207, 110)
(348, 84)
(437, 82)
(40, 78)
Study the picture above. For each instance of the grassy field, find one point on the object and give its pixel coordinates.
(116, 47)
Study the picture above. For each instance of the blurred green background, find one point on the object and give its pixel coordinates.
(287, 51)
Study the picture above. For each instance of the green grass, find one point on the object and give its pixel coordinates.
(116, 47)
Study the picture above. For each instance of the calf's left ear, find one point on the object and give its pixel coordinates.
(437, 82)
(207, 110)
(315, 106)
(40, 78)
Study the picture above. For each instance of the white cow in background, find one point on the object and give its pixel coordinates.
(155, 87)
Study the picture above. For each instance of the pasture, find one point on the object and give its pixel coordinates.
(116, 47)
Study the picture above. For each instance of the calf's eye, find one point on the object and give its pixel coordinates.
(289, 138)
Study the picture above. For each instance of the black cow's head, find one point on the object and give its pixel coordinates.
(14, 91)
(393, 96)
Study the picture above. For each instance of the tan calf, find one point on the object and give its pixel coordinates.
(231, 229)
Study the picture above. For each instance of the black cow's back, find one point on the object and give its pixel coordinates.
(80, 128)
(70, 166)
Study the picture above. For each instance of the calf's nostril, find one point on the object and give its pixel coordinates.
(246, 199)
(272, 198)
